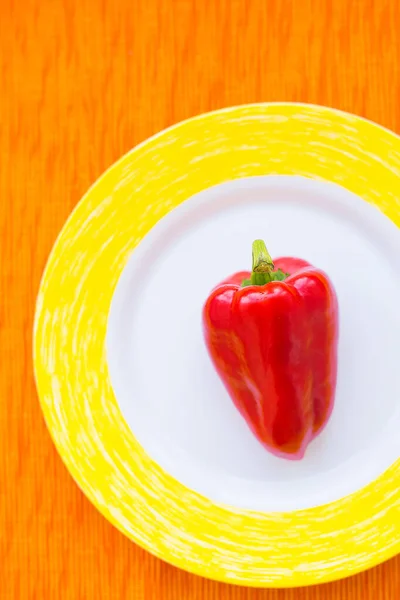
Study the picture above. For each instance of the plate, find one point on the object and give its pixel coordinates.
(128, 392)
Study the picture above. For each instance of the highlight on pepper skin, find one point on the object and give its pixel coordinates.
(272, 335)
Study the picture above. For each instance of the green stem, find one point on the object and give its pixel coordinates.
(262, 264)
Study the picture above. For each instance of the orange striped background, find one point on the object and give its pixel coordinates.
(81, 82)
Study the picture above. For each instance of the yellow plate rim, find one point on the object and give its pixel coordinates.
(231, 545)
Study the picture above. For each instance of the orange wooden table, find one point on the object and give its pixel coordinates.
(81, 82)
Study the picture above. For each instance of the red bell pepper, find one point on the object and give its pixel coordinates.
(272, 335)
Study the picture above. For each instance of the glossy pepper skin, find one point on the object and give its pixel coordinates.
(273, 343)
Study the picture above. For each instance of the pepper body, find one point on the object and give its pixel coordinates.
(275, 348)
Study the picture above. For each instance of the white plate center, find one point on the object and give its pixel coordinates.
(164, 380)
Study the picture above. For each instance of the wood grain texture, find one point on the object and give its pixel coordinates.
(81, 83)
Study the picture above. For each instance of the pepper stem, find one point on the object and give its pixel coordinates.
(262, 264)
